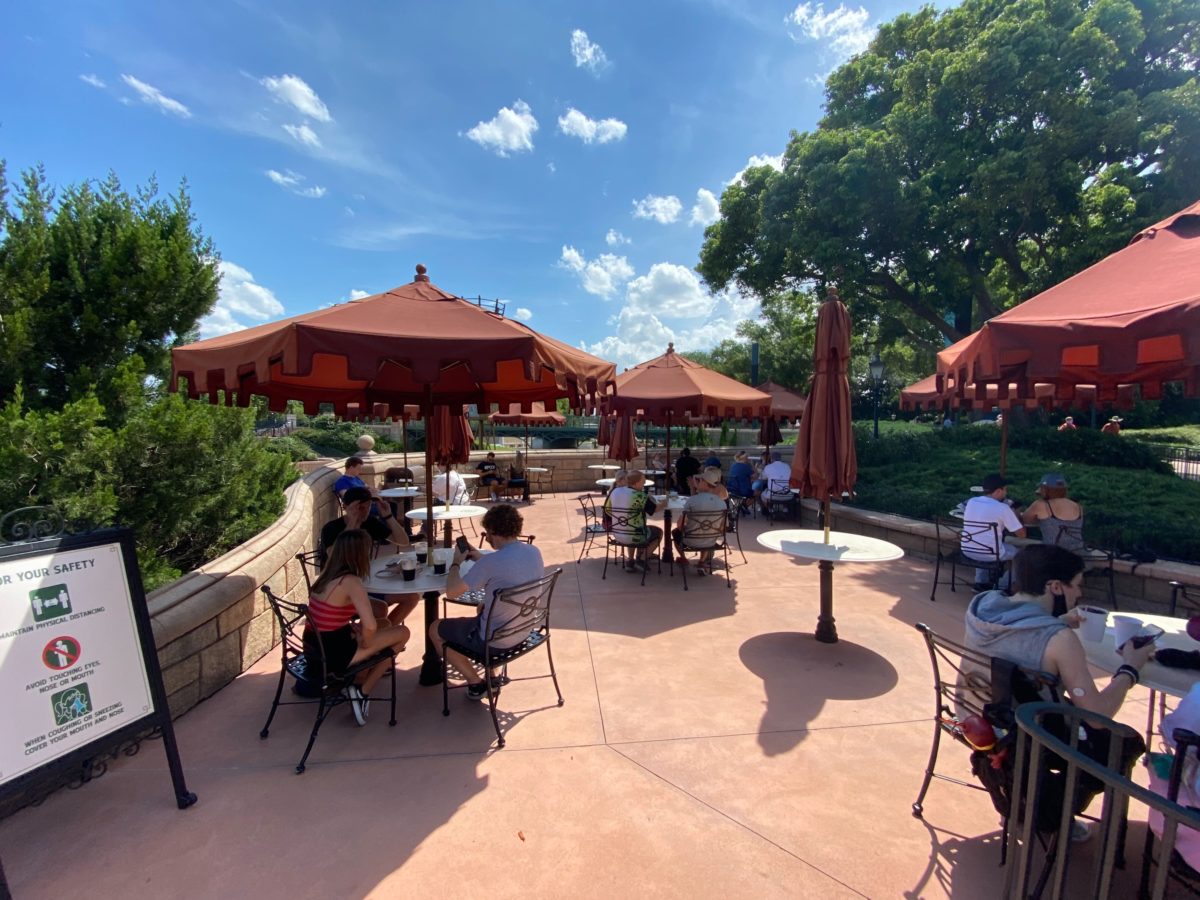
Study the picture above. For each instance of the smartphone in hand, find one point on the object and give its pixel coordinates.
(462, 544)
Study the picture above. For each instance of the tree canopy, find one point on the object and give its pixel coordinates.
(95, 288)
(971, 158)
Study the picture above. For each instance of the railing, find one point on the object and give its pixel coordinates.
(1184, 460)
(1034, 742)
(495, 306)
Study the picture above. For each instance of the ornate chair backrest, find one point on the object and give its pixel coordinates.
(621, 528)
(292, 618)
(779, 489)
(704, 528)
(518, 611)
(397, 475)
(979, 539)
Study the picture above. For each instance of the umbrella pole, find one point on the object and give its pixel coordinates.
(825, 519)
(431, 664)
(1003, 444)
(404, 438)
(667, 477)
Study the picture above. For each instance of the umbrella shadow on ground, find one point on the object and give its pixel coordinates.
(800, 674)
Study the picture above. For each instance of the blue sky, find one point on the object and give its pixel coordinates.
(561, 156)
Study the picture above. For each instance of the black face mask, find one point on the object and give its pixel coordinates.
(1060, 605)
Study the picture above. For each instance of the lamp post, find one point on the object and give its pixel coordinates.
(876, 367)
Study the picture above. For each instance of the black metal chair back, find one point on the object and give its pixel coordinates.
(624, 534)
(955, 540)
(516, 623)
(304, 658)
(778, 495)
(1097, 561)
(704, 532)
(1181, 592)
(310, 564)
(734, 524)
(397, 476)
(592, 525)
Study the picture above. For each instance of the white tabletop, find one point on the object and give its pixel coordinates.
(809, 543)
(605, 482)
(675, 504)
(535, 469)
(400, 492)
(442, 513)
(468, 476)
(607, 467)
(1175, 682)
(388, 580)
(653, 472)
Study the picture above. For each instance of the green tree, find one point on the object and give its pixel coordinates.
(95, 288)
(972, 157)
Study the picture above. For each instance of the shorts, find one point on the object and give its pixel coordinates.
(462, 631)
(340, 647)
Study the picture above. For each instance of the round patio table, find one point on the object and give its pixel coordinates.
(447, 514)
(607, 467)
(809, 543)
(605, 484)
(404, 494)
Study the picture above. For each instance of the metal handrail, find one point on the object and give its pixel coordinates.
(1034, 740)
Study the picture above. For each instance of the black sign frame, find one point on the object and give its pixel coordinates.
(35, 784)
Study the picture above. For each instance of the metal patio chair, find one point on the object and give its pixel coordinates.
(624, 536)
(704, 532)
(981, 539)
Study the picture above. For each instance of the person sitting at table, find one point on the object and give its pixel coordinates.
(1054, 511)
(351, 478)
(776, 476)
(709, 496)
(987, 508)
(1035, 628)
(382, 529)
(686, 468)
(741, 481)
(1112, 426)
(1068, 424)
(514, 563)
(518, 477)
(633, 504)
(712, 460)
(449, 487)
(335, 598)
(489, 474)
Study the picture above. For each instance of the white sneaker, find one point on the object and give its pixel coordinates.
(359, 702)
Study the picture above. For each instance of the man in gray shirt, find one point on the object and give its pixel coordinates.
(514, 563)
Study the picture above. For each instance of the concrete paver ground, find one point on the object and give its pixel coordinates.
(708, 747)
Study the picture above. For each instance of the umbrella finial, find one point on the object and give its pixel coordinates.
(831, 293)
(421, 276)
(670, 346)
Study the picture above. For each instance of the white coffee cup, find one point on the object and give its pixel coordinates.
(1094, 620)
(1124, 627)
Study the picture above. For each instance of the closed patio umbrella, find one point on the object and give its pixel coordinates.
(825, 464)
(769, 433)
(622, 445)
(536, 415)
(413, 344)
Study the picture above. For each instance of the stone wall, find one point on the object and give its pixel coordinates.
(212, 624)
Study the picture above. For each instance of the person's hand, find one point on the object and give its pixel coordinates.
(474, 554)
(1072, 619)
(459, 556)
(1136, 656)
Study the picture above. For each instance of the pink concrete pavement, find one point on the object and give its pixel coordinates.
(709, 747)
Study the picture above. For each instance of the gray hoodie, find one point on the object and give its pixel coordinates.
(1019, 631)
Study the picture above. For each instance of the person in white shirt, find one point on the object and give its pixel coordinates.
(449, 487)
(991, 507)
(774, 472)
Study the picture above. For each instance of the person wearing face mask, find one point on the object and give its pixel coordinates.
(1035, 628)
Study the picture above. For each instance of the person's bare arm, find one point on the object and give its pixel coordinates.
(362, 605)
(1033, 514)
(1065, 658)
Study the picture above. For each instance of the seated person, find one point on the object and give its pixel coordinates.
(1053, 511)
(686, 468)
(351, 478)
(489, 474)
(449, 487)
(336, 597)
(741, 479)
(776, 476)
(1068, 424)
(514, 563)
(712, 460)
(517, 476)
(990, 508)
(381, 529)
(1112, 426)
(631, 502)
(707, 498)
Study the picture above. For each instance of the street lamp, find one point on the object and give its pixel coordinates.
(876, 367)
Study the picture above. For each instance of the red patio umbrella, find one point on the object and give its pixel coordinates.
(769, 433)
(622, 445)
(784, 401)
(825, 464)
(413, 344)
(448, 438)
(537, 415)
(603, 431)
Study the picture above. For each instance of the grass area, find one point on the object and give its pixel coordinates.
(1129, 503)
(1180, 435)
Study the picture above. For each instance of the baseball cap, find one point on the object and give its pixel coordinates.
(355, 494)
(776, 456)
(994, 482)
(712, 475)
(1053, 480)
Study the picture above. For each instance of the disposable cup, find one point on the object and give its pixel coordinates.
(1125, 627)
(1094, 620)
(408, 568)
(441, 558)
(422, 550)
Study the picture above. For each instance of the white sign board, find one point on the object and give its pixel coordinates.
(71, 665)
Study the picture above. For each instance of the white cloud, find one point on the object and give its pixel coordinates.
(706, 210)
(587, 55)
(239, 298)
(303, 134)
(293, 182)
(638, 336)
(601, 276)
(152, 95)
(663, 210)
(614, 238)
(94, 80)
(844, 32)
(670, 291)
(522, 314)
(775, 162)
(576, 124)
(356, 294)
(551, 168)
(511, 131)
(295, 92)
